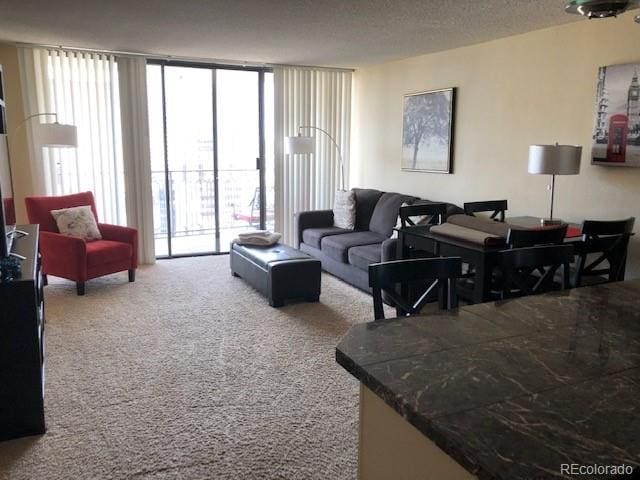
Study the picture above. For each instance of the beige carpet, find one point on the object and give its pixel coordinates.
(188, 373)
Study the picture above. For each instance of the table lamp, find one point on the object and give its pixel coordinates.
(554, 160)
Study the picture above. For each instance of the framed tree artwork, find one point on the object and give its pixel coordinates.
(427, 131)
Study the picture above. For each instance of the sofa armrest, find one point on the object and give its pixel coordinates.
(63, 255)
(389, 250)
(116, 233)
(311, 219)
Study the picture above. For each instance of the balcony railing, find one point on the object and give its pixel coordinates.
(192, 201)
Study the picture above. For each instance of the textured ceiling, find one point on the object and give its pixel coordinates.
(347, 33)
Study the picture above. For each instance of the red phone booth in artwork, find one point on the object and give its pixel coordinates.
(617, 147)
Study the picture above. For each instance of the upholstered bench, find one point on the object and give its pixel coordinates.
(280, 272)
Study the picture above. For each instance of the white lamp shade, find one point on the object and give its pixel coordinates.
(55, 135)
(554, 159)
(300, 145)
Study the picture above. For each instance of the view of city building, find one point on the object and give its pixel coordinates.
(191, 109)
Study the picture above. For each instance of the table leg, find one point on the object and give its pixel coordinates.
(482, 281)
(403, 253)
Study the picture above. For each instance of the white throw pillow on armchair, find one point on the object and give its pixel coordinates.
(344, 209)
(77, 222)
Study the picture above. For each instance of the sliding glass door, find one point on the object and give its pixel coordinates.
(208, 137)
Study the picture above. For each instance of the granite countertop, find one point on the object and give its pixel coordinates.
(512, 390)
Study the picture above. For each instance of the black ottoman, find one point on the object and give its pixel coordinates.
(280, 272)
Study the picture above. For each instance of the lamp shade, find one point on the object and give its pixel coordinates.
(300, 145)
(55, 135)
(554, 159)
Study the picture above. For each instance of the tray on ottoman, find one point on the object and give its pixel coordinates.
(280, 272)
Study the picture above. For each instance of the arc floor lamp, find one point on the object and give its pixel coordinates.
(302, 144)
(51, 134)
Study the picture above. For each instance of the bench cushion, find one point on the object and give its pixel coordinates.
(365, 255)
(313, 236)
(337, 246)
(264, 255)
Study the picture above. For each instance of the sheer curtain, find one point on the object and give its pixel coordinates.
(82, 89)
(134, 115)
(319, 98)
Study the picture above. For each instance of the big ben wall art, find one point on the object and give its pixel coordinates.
(616, 134)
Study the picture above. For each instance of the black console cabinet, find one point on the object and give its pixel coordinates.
(22, 344)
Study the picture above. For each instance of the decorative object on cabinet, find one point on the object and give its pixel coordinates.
(427, 131)
(616, 134)
(10, 268)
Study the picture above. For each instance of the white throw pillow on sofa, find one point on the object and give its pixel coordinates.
(77, 222)
(344, 209)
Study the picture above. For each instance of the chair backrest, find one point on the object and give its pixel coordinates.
(609, 239)
(496, 207)
(39, 208)
(519, 238)
(437, 212)
(441, 272)
(531, 270)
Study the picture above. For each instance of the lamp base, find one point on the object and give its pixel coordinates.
(550, 222)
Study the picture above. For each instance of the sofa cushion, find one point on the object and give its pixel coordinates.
(337, 246)
(386, 212)
(366, 200)
(365, 255)
(313, 236)
(101, 252)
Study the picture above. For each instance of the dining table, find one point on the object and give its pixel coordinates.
(481, 257)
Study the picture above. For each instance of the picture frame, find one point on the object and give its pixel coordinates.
(616, 131)
(427, 131)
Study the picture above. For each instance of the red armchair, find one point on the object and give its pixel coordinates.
(74, 258)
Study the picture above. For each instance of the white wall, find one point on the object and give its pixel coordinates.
(20, 167)
(537, 87)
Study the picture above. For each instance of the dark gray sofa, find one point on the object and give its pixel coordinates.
(347, 254)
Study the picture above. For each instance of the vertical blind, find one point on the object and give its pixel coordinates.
(82, 89)
(319, 98)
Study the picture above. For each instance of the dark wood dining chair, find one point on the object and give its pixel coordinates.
(532, 270)
(436, 211)
(519, 238)
(608, 242)
(496, 207)
(441, 272)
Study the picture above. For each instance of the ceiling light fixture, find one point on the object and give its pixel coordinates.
(600, 8)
